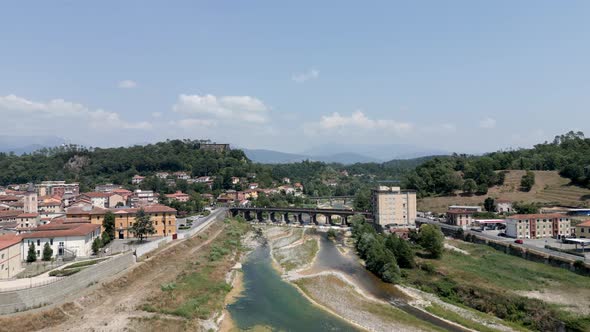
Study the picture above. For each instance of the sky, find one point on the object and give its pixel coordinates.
(459, 76)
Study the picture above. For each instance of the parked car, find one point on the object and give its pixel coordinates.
(502, 234)
(519, 241)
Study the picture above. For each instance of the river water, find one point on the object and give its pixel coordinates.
(270, 301)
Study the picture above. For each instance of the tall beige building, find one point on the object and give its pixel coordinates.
(393, 206)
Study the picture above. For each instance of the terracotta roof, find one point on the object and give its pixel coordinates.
(122, 191)
(28, 215)
(8, 240)
(10, 213)
(65, 230)
(84, 210)
(538, 216)
(95, 194)
(7, 198)
(584, 224)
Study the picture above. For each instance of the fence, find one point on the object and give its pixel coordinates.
(24, 299)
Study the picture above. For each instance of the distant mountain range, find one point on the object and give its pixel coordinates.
(344, 154)
(27, 144)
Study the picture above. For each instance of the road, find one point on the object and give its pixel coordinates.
(495, 237)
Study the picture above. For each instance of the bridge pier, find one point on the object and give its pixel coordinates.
(314, 218)
(299, 218)
(286, 218)
(328, 219)
(259, 216)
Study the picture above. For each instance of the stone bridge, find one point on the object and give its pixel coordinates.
(297, 215)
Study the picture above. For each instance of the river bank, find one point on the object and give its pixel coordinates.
(330, 277)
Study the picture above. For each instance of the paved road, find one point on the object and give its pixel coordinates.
(495, 237)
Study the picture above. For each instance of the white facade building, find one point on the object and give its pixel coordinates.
(63, 238)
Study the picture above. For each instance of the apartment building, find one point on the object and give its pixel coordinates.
(163, 217)
(393, 206)
(58, 188)
(535, 226)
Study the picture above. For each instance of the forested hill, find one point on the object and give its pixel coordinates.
(91, 166)
(95, 165)
(569, 154)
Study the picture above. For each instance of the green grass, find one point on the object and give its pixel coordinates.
(199, 290)
(489, 281)
(85, 263)
(489, 266)
(65, 272)
(440, 311)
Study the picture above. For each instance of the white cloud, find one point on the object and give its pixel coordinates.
(311, 74)
(488, 123)
(356, 123)
(226, 108)
(59, 117)
(127, 84)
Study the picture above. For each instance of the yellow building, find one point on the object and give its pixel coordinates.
(163, 217)
(582, 230)
(393, 206)
(10, 261)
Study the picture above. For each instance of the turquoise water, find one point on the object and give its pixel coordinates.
(268, 300)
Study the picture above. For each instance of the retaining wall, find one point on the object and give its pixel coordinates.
(24, 299)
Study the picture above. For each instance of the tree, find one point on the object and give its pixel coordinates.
(143, 225)
(96, 244)
(528, 181)
(109, 225)
(402, 251)
(524, 208)
(362, 200)
(432, 240)
(47, 252)
(489, 204)
(469, 187)
(32, 253)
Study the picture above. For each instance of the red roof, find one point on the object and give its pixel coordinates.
(94, 194)
(10, 213)
(8, 198)
(538, 216)
(8, 240)
(584, 224)
(28, 215)
(61, 230)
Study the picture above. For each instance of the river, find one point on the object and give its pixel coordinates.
(270, 301)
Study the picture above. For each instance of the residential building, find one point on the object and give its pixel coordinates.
(99, 199)
(504, 206)
(58, 188)
(534, 226)
(117, 199)
(50, 205)
(162, 175)
(10, 257)
(582, 230)
(64, 238)
(182, 175)
(393, 206)
(474, 208)
(143, 197)
(460, 217)
(286, 180)
(137, 179)
(215, 147)
(235, 180)
(163, 217)
(107, 188)
(178, 196)
(253, 185)
(9, 216)
(26, 221)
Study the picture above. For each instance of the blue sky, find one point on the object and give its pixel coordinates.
(463, 76)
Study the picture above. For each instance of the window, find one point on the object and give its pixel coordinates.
(38, 242)
(51, 241)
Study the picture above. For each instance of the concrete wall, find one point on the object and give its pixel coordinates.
(24, 299)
